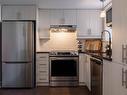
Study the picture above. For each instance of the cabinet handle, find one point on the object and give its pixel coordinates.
(126, 78)
(42, 57)
(123, 77)
(126, 54)
(42, 79)
(43, 64)
(122, 54)
(43, 71)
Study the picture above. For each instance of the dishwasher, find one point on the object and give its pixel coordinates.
(96, 76)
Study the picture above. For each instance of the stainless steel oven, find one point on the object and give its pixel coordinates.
(64, 71)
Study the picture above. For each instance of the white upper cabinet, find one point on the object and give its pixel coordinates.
(82, 23)
(63, 17)
(44, 24)
(89, 24)
(56, 17)
(70, 17)
(95, 23)
(10, 12)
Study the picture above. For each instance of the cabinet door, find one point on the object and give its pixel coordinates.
(18, 12)
(95, 23)
(117, 87)
(82, 23)
(57, 17)
(107, 78)
(70, 17)
(119, 28)
(89, 24)
(88, 72)
(44, 24)
(42, 69)
(82, 70)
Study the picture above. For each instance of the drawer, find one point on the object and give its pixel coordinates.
(42, 57)
(42, 62)
(42, 66)
(42, 78)
(42, 69)
(40, 72)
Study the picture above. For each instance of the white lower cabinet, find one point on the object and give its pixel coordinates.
(42, 69)
(119, 76)
(107, 78)
(88, 72)
(84, 70)
(114, 78)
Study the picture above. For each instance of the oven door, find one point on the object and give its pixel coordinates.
(63, 69)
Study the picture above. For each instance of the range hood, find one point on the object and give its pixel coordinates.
(63, 28)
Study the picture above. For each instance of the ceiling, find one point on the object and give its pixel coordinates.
(81, 4)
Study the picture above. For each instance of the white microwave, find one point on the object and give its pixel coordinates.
(109, 17)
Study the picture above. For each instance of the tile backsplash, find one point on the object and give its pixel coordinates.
(59, 41)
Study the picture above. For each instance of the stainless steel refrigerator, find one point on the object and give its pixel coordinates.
(18, 49)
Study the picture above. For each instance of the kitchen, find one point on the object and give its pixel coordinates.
(63, 35)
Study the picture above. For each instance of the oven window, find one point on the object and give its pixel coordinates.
(63, 68)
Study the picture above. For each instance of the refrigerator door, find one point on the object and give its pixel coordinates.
(17, 54)
(17, 75)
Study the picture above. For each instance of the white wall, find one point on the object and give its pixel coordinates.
(59, 41)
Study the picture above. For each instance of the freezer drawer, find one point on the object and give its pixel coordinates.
(17, 75)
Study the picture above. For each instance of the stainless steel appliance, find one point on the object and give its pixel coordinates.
(18, 49)
(64, 28)
(0, 55)
(109, 17)
(64, 69)
(96, 76)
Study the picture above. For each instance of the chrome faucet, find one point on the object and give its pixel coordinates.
(108, 47)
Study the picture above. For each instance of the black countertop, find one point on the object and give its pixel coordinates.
(100, 56)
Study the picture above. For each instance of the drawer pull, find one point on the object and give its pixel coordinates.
(42, 57)
(43, 71)
(42, 79)
(43, 64)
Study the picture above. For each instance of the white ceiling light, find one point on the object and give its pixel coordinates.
(103, 13)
